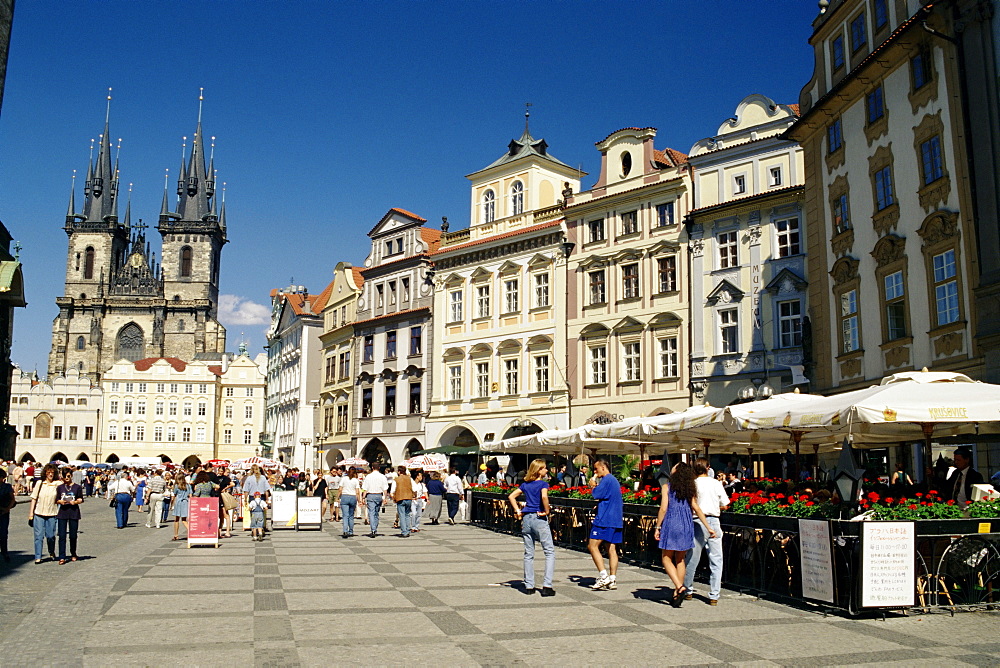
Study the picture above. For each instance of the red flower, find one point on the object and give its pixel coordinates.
(888, 499)
(913, 506)
(810, 503)
(873, 496)
(950, 502)
(933, 491)
(918, 494)
(779, 496)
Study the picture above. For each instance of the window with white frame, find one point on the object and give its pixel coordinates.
(598, 290)
(895, 306)
(850, 339)
(595, 229)
(790, 323)
(112, 432)
(202, 408)
(158, 410)
(188, 407)
(632, 359)
(665, 214)
(630, 281)
(668, 357)
(739, 184)
(774, 177)
(666, 272)
(172, 408)
(455, 382)
(541, 373)
(455, 305)
(140, 432)
(140, 408)
(158, 434)
(510, 376)
(630, 222)
(517, 198)
(511, 297)
(171, 434)
(489, 206)
(945, 288)
(186, 434)
(729, 331)
(127, 406)
(598, 365)
(541, 290)
(248, 412)
(482, 379)
(227, 436)
(247, 436)
(126, 432)
(789, 237)
(482, 301)
(113, 407)
(727, 243)
(200, 434)
(379, 296)
(229, 411)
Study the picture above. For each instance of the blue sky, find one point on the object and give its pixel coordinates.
(329, 113)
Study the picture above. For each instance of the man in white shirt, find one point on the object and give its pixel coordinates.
(453, 491)
(333, 492)
(713, 500)
(374, 489)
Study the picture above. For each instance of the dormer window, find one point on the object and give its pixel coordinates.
(489, 206)
(739, 184)
(626, 164)
(517, 198)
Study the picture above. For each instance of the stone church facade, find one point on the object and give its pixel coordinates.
(119, 301)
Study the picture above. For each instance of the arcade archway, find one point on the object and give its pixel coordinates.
(375, 452)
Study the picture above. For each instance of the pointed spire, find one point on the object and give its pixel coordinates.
(128, 208)
(71, 210)
(100, 206)
(164, 207)
(222, 211)
(182, 172)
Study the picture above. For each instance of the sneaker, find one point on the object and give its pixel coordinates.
(548, 591)
(612, 583)
(602, 583)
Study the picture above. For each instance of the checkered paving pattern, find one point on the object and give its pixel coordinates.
(448, 594)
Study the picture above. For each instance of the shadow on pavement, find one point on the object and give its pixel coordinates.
(661, 594)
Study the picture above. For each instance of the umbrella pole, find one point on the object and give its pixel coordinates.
(815, 466)
(928, 429)
(797, 437)
(706, 442)
(753, 469)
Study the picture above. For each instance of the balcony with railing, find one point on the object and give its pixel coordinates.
(501, 226)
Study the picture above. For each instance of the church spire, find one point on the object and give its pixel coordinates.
(100, 206)
(199, 185)
(128, 208)
(71, 209)
(164, 207)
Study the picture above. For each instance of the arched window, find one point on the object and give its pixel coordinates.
(81, 343)
(517, 198)
(185, 261)
(489, 206)
(131, 345)
(88, 262)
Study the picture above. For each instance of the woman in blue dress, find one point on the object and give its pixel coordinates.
(675, 525)
(179, 502)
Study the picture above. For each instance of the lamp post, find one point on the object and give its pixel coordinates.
(848, 475)
(305, 450)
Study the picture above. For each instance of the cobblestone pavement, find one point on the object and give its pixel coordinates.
(447, 595)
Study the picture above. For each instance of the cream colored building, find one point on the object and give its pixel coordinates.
(180, 411)
(627, 310)
(748, 264)
(499, 333)
(55, 418)
(337, 341)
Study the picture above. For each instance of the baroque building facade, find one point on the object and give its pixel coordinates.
(748, 261)
(393, 338)
(337, 394)
(119, 302)
(56, 419)
(499, 342)
(626, 311)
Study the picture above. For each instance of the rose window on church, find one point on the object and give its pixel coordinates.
(131, 345)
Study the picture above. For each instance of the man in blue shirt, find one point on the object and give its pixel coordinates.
(607, 525)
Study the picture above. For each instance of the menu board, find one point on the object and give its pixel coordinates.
(816, 560)
(888, 565)
(310, 512)
(203, 520)
(283, 512)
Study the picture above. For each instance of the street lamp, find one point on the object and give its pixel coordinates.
(848, 475)
(305, 450)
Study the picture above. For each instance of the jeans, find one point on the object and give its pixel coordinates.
(374, 503)
(45, 531)
(348, 503)
(693, 556)
(403, 509)
(70, 526)
(418, 511)
(122, 503)
(166, 510)
(452, 500)
(155, 503)
(537, 528)
(434, 507)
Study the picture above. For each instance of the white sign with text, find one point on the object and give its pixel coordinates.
(888, 566)
(817, 559)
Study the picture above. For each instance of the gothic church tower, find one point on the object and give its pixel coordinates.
(119, 303)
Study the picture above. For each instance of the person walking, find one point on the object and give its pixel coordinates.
(403, 495)
(332, 493)
(375, 487)
(713, 501)
(179, 502)
(203, 485)
(8, 499)
(258, 509)
(349, 501)
(606, 529)
(453, 491)
(43, 511)
(435, 496)
(674, 529)
(121, 491)
(420, 499)
(535, 525)
(155, 487)
(69, 496)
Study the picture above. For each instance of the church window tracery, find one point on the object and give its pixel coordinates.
(131, 345)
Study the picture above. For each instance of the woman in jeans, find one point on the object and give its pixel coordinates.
(349, 501)
(121, 491)
(69, 496)
(42, 514)
(535, 525)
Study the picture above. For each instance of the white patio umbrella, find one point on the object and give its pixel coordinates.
(356, 462)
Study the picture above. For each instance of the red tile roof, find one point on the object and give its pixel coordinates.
(298, 302)
(670, 157)
(431, 237)
(761, 195)
(505, 235)
(144, 365)
(323, 298)
(216, 369)
(408, 214)
(794, 108)
(392, 315)
(359, 277)
(620, 130)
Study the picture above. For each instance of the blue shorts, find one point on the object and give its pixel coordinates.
(606, 533)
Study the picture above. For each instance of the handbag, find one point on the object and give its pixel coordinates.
(229, 501)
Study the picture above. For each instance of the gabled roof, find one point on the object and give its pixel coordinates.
(396, 211)
(144, 365)
(611, 134)
(323, 298)
(523, 147)
(431, 237)
(786, 275)
(724, 286)
(669, 157)
(302, 304)
(359, 277)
